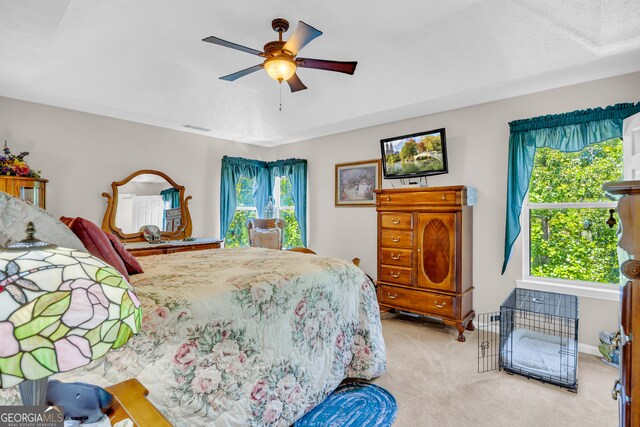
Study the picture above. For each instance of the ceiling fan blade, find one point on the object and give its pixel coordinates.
(218, 41)
(241, 73)
(295, 84)
(322, 64)
(303, 34)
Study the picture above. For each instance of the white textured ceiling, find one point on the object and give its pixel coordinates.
(144, 60)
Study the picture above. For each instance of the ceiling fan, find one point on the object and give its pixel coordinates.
(281, 59)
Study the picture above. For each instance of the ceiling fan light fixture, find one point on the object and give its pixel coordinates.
(280, 68)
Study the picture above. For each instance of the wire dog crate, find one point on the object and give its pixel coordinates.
(534, 334)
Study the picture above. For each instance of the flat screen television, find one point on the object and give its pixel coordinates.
(415, 155)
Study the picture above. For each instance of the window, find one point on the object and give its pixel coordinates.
(238, 235)
(284, 205)
(566, 237)
(246, 208)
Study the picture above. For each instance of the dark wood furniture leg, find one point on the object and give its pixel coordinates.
(470, 326)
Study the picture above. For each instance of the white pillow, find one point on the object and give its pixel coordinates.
(265, 238)
(16, 213)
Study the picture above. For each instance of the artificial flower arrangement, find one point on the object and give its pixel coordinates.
(13, 165)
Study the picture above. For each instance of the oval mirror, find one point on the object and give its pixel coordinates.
(147, 198)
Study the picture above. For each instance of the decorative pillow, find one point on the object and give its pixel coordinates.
(265, 238)
(98, 244)
(16, 213)
(130, 262)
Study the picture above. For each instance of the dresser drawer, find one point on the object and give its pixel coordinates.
(396, 239)
(396, 220)
(185, 248)
(400, 257)
(394, 274)
(414, 198)
(145, 252)
(418, 301)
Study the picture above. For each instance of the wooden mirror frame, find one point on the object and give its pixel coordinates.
(109, 220)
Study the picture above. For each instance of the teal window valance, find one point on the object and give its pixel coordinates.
(566, 132)
(264, 174)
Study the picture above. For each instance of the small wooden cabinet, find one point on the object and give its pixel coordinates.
(144, 248)
(424, 253)
(31, 190)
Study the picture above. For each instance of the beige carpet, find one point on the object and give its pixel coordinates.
(435, 382)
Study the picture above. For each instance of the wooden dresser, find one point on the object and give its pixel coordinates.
(144, 248)
(424, 253)
(627, 388)
(31, 190)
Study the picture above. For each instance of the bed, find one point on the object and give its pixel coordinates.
(246, 336)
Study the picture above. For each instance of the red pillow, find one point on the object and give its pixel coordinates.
(97, 243)
(130, 262)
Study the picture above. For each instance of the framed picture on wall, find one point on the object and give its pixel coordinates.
(356, 181)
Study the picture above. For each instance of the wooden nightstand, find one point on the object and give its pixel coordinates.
(143, 248)
(130, 401)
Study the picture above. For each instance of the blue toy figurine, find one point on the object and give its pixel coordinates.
(610, 348)
(81, 401)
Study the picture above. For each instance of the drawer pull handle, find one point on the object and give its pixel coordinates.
(394, 275)
(395, 221)
(444, 303)
(394, 239)
(388, 198)
(392, 296)
(396, 257)
(444, 197)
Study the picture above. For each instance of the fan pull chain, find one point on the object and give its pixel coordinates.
(280, 85)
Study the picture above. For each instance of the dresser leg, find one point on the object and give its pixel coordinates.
(460, 327)
(470, 326)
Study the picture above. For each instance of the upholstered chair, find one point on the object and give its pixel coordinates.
(266, 233)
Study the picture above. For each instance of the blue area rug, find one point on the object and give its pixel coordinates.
(354, 405)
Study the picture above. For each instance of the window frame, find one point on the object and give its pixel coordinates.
(276, 197)
(581, 288)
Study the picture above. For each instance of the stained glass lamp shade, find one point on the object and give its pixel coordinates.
(60, 309)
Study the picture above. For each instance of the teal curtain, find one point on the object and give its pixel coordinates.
(232, 169)
(296, 171)
(565, 132)
(171, 195)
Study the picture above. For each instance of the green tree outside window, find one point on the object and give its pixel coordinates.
(238, 234)
(292, 236)
(572, 241)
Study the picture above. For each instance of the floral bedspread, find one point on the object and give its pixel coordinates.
(246, 336)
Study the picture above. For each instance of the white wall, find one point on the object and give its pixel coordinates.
(477, 142)
(81, 154)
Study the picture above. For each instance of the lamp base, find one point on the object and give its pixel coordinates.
(34, 392)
